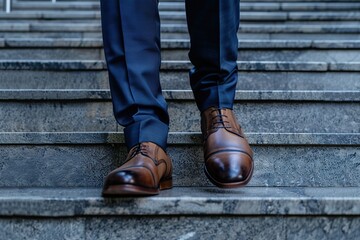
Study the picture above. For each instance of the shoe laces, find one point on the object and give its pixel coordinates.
(139, 148)
(219, 120)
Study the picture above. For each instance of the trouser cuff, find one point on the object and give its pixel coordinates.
(151, 130)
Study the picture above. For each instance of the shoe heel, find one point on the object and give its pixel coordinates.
(166, 184)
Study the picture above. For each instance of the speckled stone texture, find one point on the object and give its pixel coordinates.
(277, 116)
(182, 28)
(192, 228)
(27, 79)
(250, 201)
(42, 229)
(227, 228)
(76, 160)
(175, 44)
(55, 116)
(323, 228)
(299, 80)
(50, 166)
(184, 35)
(73, 15)
(257, 112)
(246, 55)
(276, 50)
(186, 228)
(298, 103)
(14, 34)
(350, 55)
(89, 5)
(179, 65)
(166, 6)
(44, 53)
(183, 201)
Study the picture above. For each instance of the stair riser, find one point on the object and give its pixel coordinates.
(257, 36)
(170, 18)
(50, 34)
(38, 7)
(176, 18)
(183, 29)
(191, 227)
(24, 79)
(254, 116)
(181, 6)
(280, 55)
(86, 165)
(352, 55)
(51, 15)
(29, 79)
(52, 53)
(263, 18)
(46, 21)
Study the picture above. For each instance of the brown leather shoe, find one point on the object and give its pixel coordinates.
(146, 171)
(228, 156)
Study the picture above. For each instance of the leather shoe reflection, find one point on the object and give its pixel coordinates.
(228, 156)
(146, 171)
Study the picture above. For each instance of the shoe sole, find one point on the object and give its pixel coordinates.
(229, 185)
(132, 190)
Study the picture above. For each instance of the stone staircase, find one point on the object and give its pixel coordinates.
(298, 100)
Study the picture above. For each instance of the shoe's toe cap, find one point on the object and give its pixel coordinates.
(229, 167)
(138, 177)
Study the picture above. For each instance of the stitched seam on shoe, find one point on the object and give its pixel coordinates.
(237, 134)
(167, 170)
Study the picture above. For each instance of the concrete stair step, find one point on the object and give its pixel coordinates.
(61, 21)
(182, 28)
(182, 213)
(78, 159)
(248, 80)
(281, 15)
(40, 5)
(276, 28)
(252, 75)
(326, 15)
(275, 55)
(284, 6)
(183, 43)
(166, 6)
(255, 201)
(179, 31)
(247, 36)
(260, 50)
(170, 43)
(60, 35)
(297, 100)
(167, 44)
(258, 111)
(50, 15)
(37, 65)
(179, 16)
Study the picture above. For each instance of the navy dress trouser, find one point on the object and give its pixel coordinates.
(131, 34)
